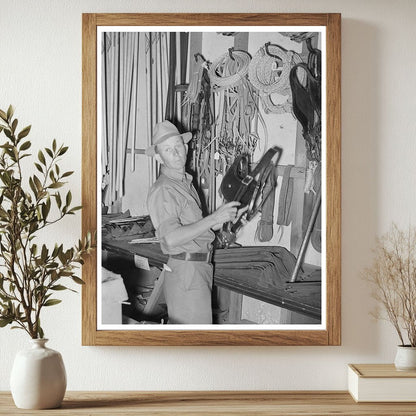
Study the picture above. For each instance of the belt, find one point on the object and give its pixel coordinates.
(205, 257)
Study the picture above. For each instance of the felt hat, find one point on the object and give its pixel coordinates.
(163, 131)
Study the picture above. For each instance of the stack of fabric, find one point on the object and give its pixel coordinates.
(264, 272)
(125, 227)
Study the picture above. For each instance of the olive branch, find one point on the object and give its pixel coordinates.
(30, 273)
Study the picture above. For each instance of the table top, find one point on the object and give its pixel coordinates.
(221, 403)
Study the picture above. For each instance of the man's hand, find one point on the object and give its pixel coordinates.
(214, 221)
(225, 213)
(240, 213)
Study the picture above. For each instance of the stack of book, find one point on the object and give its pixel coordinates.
(381, 383)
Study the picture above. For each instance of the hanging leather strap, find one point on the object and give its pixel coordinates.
(309, 201)
(265, 160)
(264, 230)
(317, 228)
(170, 101)
(285, 197)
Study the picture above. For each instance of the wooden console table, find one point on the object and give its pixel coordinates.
(178, 403)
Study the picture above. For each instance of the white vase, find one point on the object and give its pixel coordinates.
(38, 377)
(405, 358)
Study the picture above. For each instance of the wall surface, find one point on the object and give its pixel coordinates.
(40, 74)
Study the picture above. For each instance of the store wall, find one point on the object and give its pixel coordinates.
(40, 73)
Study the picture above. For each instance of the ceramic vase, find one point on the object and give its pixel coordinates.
(405, 358)
(38, 377)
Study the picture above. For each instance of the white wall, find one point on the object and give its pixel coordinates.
(40, 73)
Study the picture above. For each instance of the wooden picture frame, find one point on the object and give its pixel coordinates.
(331, 334)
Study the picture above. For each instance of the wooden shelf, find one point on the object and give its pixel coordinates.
(222, 403)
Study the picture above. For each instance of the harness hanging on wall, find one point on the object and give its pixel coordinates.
(307, 109)
(306, 94)
(269, 74)
(239, 184)
(237, 106)
(199, 101)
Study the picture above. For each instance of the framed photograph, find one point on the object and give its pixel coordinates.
(211, 172)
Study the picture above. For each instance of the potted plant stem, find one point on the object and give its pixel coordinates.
(31, 272)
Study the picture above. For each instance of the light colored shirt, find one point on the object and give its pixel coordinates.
(172, 203)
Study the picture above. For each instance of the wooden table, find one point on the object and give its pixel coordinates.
(212, 403)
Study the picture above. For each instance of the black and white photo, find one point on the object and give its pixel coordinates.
(212, 179)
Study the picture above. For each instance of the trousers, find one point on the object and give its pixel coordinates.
(187, 289)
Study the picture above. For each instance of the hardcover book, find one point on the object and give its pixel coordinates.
(381, 383)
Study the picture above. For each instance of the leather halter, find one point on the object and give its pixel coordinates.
(307, 100)
(240, 185)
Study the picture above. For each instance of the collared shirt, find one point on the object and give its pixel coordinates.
(172, 203)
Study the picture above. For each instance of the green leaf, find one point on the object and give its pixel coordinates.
(51, 302)
(55, 251)
(67, 174)
(60, 249)
(59, 287)
(68, 199)
(54, 276)
(24, 132)
(33, 187)
(49, 151)
(56, 185)
(39, 167)
(77, 208)
(58, 199)
(40, 332)
(62, 257)
(76, 279)
(25, 145)
(3, 115)
(5, 321)
(34, 226)
(63, 150)
(44, 253)
(10, 112)
(41, 157)
(54, 145)
(8, 133)
(37, 182)
(14, 125)
(25, 155)
(45, 211)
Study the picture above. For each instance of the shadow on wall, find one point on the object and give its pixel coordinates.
(361, 57)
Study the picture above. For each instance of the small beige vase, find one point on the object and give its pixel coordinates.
(38, 377)
(405, 358)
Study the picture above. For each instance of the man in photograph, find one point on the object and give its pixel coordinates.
(184, 234)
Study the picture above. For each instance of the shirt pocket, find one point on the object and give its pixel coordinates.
(191, 211)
